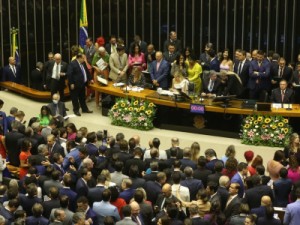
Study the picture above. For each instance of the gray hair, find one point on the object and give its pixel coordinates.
(2, 220)
(78, 216)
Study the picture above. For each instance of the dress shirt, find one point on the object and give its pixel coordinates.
(231, 197)
(56, 71)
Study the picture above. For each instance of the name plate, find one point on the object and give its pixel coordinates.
(197, 108)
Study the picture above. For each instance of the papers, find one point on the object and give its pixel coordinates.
(283, 106)
(101, 64)
(166, 92)
(70, 116)
(102, 80)
(120, 84)
(135, 89)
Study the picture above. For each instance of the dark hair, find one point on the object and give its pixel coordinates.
(241, 166)
(213, 186)
(26, 144)
(139, 196)
(202, 162)
(119, 166)
(134, 171)
(279, 156)
(91, 137)
(260, 169)
(46, 108)
(114, 193)
(132, 50)
(176, 176)
(126, 210)
(64, 201)
(72, 127)
(156, 143)
(283, 172)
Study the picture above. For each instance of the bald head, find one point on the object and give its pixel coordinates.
(135, 208)
(56, 97)
(158, 56)
(266, 200)
(57, 58)
(11, 61)
(167, 190)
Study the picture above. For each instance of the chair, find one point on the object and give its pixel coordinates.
(264, 96)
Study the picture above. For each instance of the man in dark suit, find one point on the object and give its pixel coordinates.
(159, 71)
(111, 47)
(145, 208)
(222, 191)
(54, 147)
(231, 84)
(195, 217)
(214, 63)
(28, 200)
(8, 212)
(66, 190)
(54, 182)
(210, 85)
(59, 217)
(192, 184)
(240, 176)
(11, 143)
(57, 109)
(241, 67)
(127, 190)
(215, 177)
(282, 94)
(259, 76)
(136, 160)
(282, 188)
(52, 203)
(81, 185)
(171, 54)
(95, 193)
(175, 145)
(150, 56)
(186, 160)
(204, 57)
(202, 173)
(79, 77)
(282, 71)
(12, 72)
(253, 195)
(56, 75)
(37, 217)
(233, 202)
(153, 188)
(36, 77)
(261, 210)
(166, 194)
(142, 44)
(46, 82)
(89, 50)
(211, 157)
(173, 40)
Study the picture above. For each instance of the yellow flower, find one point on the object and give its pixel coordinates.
(115, 107)
(251, 118)
(151, 104)
(280, 124)
(267, 120)
(247, 126)
(142, 107)
(274, 127)
(255, 122)
(130, 108)
(123, 104)
(285, 120)
(259, 118)
(285, 130)
(264, 126)
(148, 112)
(136, 102)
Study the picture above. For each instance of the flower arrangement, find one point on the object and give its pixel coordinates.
(134, 113)
(273, 131)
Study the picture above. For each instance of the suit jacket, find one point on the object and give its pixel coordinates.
(108, 48)
(36, 79)
(89, 53)
(214, 177)
(81, 188)
(231, 87)
(244, 73)
(292, 214)
(12, 148)
(170, 58)
(179, 153)
(199, 221)
(68, 218)
(127, 194)
(60, 107)
(202, 174)
(27, 202)
(142, 44)
(92, 149)
(282, 189)
(146, 212)
(205, 84)
(211, 164)
(253, 195)
(263, 79)
(193, 185)
(153, 189)
(286, 74)
(215, 64)
(161, 200)
(103, 209)
(237, 179)
(8, 74)
(75, 74)
(72, 197)
(233, 208)
(137, 182)
(49, 205)
(177, 44)
(264, 220)
(63, 69)
(117, 178)
(50, 183)
(95, 194)
(161, 75)
(277, 98)
(9, 216)
(118, 63)
(134, 161)
(259, 211)
(126, 221)
(223, 193)
(187, 162)
(31, 220)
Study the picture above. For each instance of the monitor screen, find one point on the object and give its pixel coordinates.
(197, 108)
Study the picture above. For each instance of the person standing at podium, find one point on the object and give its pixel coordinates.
(159, 71)
(12, 72)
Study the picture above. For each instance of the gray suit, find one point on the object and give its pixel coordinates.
(89, 53)
(118, 63)
(51, 183)
(68, 219)
(126, 221)
(117, 178)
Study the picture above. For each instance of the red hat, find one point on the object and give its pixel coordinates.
(249, 155)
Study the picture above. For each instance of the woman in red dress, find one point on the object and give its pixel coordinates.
(25, 153)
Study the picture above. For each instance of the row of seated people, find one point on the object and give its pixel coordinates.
(179, 183)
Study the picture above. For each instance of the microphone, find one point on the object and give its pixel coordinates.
(126, 84)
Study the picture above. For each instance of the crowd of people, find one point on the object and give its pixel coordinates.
(53, 173)
(255, 75)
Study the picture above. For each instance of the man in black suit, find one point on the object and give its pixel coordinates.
(8, 212)
(282, 71)
(233, 201)
(12, 72)
(142, 44)
(81, 185)
(54, 147)
(231, 84)
(173, 40)
(202, 173)
(28, 200)
(134, 174)
(11, 143)
(214, 63)
(153, 188)
(215, 177)
(36, 77)
(46, 82)
(166, 194)
(52, 203)
(175, 146)
(241, 68)
(192, 184)
(56, 75)
(195, 217)
(224, 183)
(282, 94)
(79, 77)
(253, 195)
(136, 160)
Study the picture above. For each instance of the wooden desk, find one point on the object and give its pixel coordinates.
(29, 92)
(210, 106)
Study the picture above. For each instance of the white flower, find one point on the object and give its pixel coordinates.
(272, 135)
(257, 134)
(254, 130)
(256, 126)
(266, 130)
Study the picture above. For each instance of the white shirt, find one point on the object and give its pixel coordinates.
(162, 154)
(56, 71)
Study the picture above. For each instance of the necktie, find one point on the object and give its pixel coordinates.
(280, 72)
(157, 66)
(57, 71)
(83, 72)
(240, 68)
(120, 61)
(14, 70)
(211, 85)
(137, 220)
(282, 95)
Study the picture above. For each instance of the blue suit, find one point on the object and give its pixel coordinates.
(237, 179)
(193, 185)
(92, 149)
(260, 82)
(81, 188)
(282, 189)
(161, 75)
(127, 194)
(260, 211)
(215, 64)
(72, 197)
(37, 220)
(9, 75)
(91, 214)
(75, 154)
(3, 122)
(292, 214)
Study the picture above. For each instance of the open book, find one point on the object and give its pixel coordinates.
(101, 64)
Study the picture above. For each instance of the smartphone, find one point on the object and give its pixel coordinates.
(104, 134)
